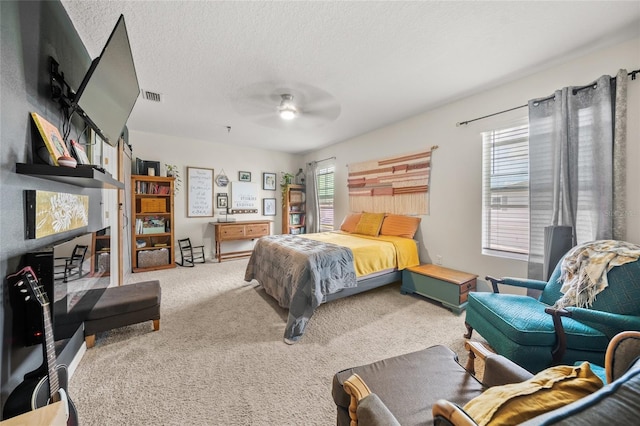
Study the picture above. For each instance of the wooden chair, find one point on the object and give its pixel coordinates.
(190, 254)
(73, 264)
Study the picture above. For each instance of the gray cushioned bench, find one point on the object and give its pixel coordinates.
(121, 306)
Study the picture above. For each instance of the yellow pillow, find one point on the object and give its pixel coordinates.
(515, 403)
(400, 226)
(350, 222)
(369, 224)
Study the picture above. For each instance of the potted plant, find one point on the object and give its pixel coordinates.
(173, 171)
(286, 179)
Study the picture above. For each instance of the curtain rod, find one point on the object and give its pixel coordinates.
(464, 123)
(319, 161)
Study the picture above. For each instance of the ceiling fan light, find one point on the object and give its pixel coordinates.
(287, 109)
(288, 113)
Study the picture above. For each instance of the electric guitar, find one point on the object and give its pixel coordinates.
(38, 390)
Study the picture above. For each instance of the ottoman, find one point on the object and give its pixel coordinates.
(121, 306)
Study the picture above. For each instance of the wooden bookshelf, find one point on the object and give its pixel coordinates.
(152, 245)
(293, 209)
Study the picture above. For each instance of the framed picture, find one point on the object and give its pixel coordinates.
(151, 168)
(50, 213)
(269, 181)
(244, 176)
(295, 218)
(199, 192)
(52, 138)
(269, 206)
(222, 200)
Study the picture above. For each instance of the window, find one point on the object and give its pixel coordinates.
(505, 191)
(325, 197)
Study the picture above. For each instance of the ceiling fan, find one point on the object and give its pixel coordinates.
(286, 105)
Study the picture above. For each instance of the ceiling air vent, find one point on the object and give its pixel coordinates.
(151, 96)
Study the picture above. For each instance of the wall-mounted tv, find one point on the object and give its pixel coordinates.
(110, 88)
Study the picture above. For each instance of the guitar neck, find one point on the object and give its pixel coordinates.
(50, 354)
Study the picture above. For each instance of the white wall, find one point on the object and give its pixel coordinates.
(453, 227)
(185, 153)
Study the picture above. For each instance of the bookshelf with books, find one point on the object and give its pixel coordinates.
(152, 245)
(293, 209)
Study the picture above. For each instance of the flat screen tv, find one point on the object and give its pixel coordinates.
(110, 88)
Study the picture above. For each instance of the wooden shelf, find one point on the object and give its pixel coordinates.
(152, 184)
(83, 176)
(293, 203)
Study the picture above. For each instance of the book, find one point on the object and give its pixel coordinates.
(51, 137)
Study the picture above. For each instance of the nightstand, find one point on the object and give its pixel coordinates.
(448, 286)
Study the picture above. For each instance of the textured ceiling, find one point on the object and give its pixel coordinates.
(352, 66)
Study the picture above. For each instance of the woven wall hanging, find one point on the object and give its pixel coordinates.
(396, 185)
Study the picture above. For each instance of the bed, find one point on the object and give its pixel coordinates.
(303, 271)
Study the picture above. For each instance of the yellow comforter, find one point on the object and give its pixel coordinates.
(373, 254)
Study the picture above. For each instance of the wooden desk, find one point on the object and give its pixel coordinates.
(237, 231)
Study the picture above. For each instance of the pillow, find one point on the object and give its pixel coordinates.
(350, 222)
(400, 226)
(515, 403)
(369, 224)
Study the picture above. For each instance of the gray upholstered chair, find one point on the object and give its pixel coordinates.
(429, 386)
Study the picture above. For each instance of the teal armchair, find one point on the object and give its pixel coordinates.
(533, 334)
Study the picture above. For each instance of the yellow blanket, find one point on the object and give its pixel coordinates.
(373, 254)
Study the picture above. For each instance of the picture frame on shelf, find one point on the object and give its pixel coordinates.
(222, 200)
(244, 176)
(295, 218)
(79, 153)
(269, 181)
(52, 138)
(269, 206)
(150, 168)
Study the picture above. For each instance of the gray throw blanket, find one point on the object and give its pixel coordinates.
(298, 273)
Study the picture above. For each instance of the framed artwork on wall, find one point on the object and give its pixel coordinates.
(268, 206)
(244, 176)
(199, 192)
(50, 213)
(222, 200)
(269, 181)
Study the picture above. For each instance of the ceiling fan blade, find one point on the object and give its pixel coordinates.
(260, 101)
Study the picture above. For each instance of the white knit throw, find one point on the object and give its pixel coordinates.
(585, 267)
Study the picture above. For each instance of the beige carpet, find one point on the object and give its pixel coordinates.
(219, 358)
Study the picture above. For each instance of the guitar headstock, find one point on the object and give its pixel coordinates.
(28, 285)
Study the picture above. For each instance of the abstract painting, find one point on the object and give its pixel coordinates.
(51, 213)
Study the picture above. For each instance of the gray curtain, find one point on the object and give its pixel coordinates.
(312, 218)
(619, 159)
(571, 165)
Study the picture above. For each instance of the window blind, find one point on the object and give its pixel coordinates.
(325, 197)
(505, 190)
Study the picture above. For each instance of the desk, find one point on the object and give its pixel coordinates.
(236, 231)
